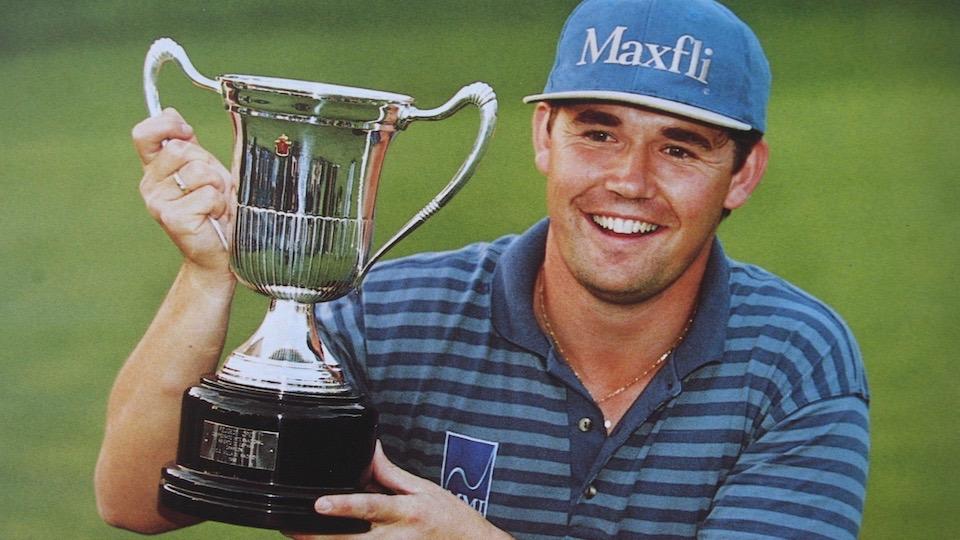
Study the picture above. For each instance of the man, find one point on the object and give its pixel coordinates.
(609, 372)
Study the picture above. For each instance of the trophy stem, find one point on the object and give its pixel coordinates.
(286, 354)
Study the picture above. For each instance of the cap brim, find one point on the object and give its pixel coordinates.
(661, 104)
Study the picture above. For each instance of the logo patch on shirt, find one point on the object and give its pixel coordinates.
(468, 469)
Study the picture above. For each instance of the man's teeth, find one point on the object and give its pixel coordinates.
(624, 226)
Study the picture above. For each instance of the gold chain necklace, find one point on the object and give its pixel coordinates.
(635, 380)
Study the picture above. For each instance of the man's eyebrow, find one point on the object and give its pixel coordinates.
(687, 136)
(593, 116)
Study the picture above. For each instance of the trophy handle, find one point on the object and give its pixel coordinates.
(162, 51)
(483, 97)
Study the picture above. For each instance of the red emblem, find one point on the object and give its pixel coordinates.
(282, 146)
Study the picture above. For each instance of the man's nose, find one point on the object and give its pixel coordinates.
(631, 178)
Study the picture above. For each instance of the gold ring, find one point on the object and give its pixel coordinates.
(180, 183)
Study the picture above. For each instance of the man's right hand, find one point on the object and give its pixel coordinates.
(167, 146)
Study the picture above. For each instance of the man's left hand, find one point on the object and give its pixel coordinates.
(417, 508)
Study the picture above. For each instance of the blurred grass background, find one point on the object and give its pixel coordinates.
(859, 205)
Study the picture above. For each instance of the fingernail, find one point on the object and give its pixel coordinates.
(186, 129)
(323, 505)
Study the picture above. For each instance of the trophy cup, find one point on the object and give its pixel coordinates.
(282, 421)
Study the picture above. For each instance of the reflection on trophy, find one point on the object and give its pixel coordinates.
(282, 421)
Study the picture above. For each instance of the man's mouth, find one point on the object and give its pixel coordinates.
(624, 226)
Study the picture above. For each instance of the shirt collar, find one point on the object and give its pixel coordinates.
(512, 299)
(513, 316)
(708, 334)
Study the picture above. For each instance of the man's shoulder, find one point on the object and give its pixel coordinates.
(794, 332)
(469, 263)
(755, 291)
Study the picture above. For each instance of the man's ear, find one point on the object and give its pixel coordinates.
(748, 177)
(541, 137)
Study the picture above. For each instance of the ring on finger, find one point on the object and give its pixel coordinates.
(177, 179)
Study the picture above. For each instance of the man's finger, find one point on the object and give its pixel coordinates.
(196, 174)
(189, 214)
(372, 507)
(394, 478)
(176, 155)
(150, 134)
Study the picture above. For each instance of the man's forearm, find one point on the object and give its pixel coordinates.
(183, 342)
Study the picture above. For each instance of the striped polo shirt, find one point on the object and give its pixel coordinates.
(756, 426)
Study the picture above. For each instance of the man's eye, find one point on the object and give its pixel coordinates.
(598, 136)
(678, 152)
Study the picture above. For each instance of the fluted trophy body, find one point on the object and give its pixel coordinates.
(282, 421)
(308, 171)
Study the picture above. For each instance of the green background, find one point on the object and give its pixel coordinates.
(859, 205)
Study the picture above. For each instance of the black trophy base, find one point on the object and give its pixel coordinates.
(244, 503)
(260, 459)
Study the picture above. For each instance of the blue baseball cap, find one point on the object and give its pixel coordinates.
(693, 58)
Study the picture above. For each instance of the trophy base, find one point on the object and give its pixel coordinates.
(260, 458)
(247, 504)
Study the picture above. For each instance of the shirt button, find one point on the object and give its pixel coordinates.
(590, 492)
(585, 424)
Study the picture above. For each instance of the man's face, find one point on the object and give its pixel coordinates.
(635, 196)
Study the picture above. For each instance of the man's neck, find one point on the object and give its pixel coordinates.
(606, 342)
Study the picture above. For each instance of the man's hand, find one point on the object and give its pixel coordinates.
(417, 509)
(182, 185)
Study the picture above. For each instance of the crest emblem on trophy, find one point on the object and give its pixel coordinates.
(282, 145)
(281, 422)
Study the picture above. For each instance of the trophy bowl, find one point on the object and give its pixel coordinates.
(282, 421)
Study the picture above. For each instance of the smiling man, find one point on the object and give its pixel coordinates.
(609, 372)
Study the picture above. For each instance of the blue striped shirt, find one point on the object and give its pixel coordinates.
(756, 427)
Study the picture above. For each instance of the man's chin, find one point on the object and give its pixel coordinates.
(622, 296)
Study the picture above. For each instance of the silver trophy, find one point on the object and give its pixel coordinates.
(281, 422)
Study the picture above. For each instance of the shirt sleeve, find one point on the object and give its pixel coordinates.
(803, 478)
